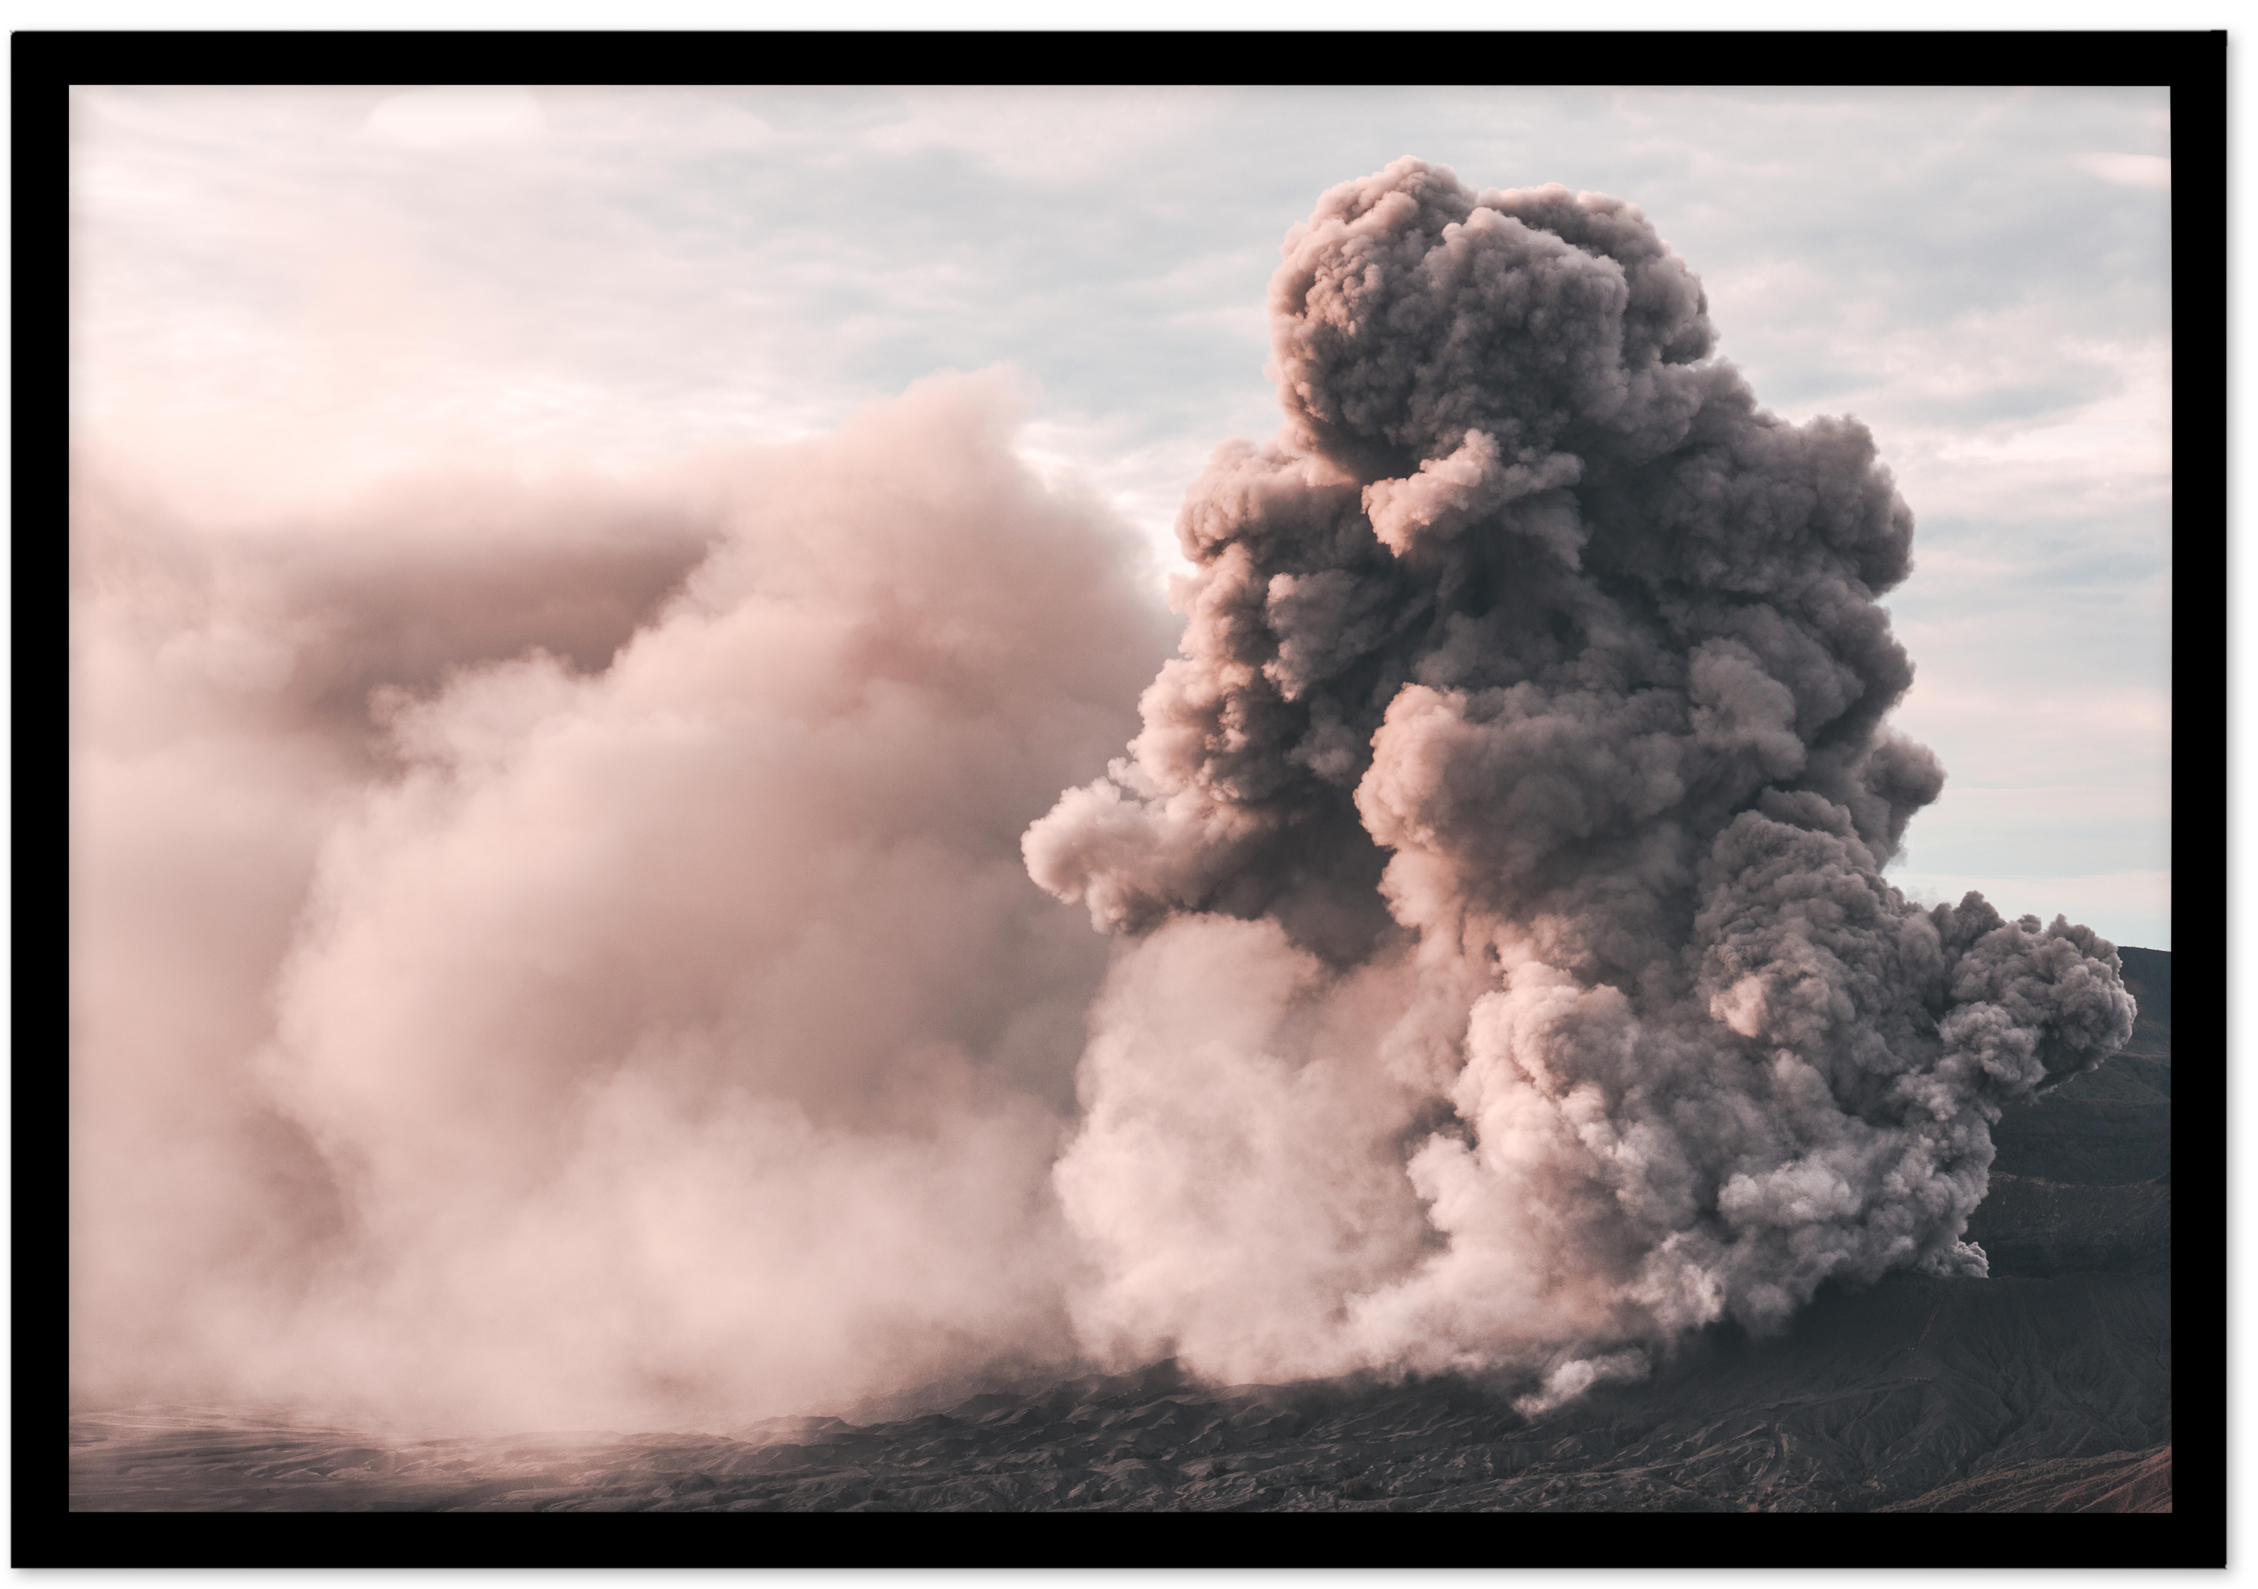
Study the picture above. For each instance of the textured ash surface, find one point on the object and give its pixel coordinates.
(1874, 1399)
(2130, 1481)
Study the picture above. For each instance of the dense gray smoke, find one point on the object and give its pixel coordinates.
(1510, 972)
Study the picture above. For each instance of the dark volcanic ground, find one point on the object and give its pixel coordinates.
(2045, 1388)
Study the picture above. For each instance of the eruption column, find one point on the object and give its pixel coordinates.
(1508, 961)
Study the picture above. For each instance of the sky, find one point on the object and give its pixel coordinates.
(284, 297)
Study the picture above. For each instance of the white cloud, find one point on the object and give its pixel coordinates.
(447, 117)
(2128, 170)
(1047, 135)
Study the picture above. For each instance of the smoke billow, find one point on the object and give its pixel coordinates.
(1509, 969)
(564, 953)
(561, 954)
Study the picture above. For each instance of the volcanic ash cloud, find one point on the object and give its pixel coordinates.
(561, 956)
(1507, 960)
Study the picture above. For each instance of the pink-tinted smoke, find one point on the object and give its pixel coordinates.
(560, 954)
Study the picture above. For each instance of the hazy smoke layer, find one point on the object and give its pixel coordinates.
(1509, 963)
(562, 955)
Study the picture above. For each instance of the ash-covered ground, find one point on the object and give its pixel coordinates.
(2044, 1388)
(1918, 1386)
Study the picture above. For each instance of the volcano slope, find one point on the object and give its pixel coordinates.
(2083, 1177)
(2046, 1387)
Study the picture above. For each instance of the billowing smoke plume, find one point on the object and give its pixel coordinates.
(1509, 964)
(564, 954)
(561, 955)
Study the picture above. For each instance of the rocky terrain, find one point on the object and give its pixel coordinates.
(2045, 1388)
